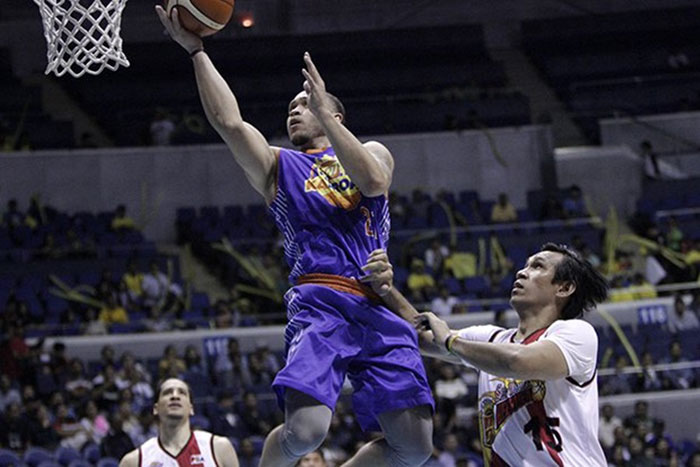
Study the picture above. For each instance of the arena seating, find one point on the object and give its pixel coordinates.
(630, 63)
(404, 94)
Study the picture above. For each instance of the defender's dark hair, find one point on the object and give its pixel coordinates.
(159, 388)
(591, 286)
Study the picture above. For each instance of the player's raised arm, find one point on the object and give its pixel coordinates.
(369, 165)
(130, 459)
(249, 147)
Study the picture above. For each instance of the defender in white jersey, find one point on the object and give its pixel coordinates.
(538, 394)
(177, 445)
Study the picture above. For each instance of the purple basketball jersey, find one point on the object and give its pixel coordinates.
(328, 226)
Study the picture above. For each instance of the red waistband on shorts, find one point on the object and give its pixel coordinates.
(340, 283)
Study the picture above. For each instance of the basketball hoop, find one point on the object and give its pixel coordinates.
(82, 39)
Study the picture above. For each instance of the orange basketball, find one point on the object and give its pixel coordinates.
(202, 17)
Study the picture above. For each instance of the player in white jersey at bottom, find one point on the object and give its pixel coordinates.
(177, 445)
(538, 394)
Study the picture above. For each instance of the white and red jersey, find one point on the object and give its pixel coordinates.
(542, 423)
(198, 452)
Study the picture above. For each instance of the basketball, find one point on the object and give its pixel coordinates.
(202, 17)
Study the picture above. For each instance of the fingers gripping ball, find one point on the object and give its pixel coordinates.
(202, 17)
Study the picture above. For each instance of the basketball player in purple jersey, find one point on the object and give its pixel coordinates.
(329, 200)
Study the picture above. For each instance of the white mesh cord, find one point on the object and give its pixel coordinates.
(82, 38)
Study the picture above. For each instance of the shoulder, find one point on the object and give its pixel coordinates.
(578, 327)
(130, 459)
(380, 151)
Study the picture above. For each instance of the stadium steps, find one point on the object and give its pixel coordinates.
(523, 76)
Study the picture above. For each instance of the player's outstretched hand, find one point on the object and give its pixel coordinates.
(380, 273)
(188, 40)
(430, 322)
(315, 87)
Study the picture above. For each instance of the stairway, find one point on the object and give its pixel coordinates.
(193, 271)
(524, 77)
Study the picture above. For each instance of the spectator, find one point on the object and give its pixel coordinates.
(443, 304)
(106, 390)
(224, 418)
(170, 365)
(134, 281)
(260, 376)
(255, 420)
(450, 389)
(313, 459)
(638, 457)
(112, 312)
(94, 326)
(193, 361)
(162, 128)
(450, 451)
(94, 423)
(246, 454)
(677, 378)
(649, 379)
(435, 255)
(618, 383)
(573, 204)
(9, 393)
(41, 430)
(231, 368)
(77, 386)
(107, 285)
(157, 320)
(116, 442)
(503, 210)
(551, 209)
(158, 289)
(269, 360)
(69, 429)
(397, 208)
(13, 217)
(640, 416)
(121, 222)
(419, 282)
(681, 319)
(146, 428)
(14, 429)
(607, 425)
(674, 235)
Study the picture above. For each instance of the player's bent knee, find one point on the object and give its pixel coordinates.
(412, 452)
(300, 439)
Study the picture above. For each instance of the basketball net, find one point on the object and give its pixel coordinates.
(82, 39)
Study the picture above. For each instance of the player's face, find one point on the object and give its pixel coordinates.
(173, 400)
(302, 125)
(533, 285)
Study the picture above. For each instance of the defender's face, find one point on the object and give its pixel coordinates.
(302, 125)
(533, 285)
(173, 400)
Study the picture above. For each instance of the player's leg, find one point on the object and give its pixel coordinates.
(306, 422)
(407, 440)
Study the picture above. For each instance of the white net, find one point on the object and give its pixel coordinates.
(82, 38)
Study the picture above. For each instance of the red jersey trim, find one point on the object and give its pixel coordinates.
(497, 461)
(140, 457)
(530, 338)
(339, 283)
(189, 440)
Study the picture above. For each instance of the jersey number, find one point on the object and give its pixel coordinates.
(544, 432)
(368, 222)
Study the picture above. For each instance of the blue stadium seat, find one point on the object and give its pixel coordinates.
(65, 455)
(107, 462)
(91, 453)
(80, 463)
(34, 456)
(9, 458)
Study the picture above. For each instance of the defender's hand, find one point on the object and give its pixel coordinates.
(380, 273)
(188, 40)
(429, 321)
